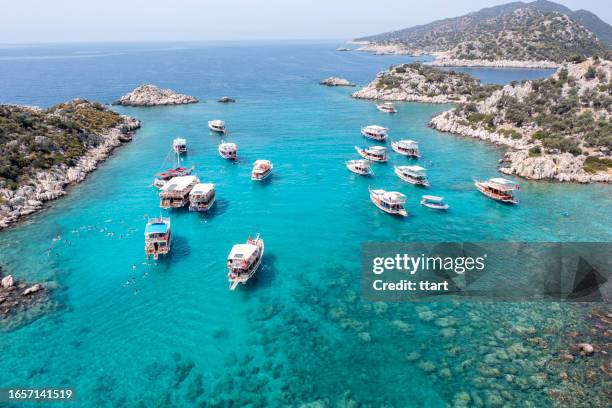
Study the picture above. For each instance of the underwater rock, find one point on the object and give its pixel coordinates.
(461, 400)
(365, 337)
(427, 315)
(7, 281)
(413, 356)
(493, 399)
(445, 322)
(448, 332)
(402, 326)
(32, 289)
(428, 367)
(585, 349)
(335, 81)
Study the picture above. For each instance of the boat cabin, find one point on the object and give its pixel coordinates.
(406, 147)
(158, 237)
(202, 197)
(175, 193)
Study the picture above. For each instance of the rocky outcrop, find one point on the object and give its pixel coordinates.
(419, 83)
(335, 81)
(442, 60)
(226, 99)
(151, 95)
(48, 184)
(17, 297)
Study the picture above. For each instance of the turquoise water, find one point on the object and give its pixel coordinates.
(170, 333)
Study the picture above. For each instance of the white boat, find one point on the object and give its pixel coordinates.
(202, 197)
(373, 153)
(228, 151)
(406, 147)
(361, 167)
(179, 145)
(386, 107)
(158, 237)
(375, 132)
(216, 125)
(244, 260)
(391, 202)
(499, 189)
(435, 202)
(261, 169)
(175, 193)
(412, 174)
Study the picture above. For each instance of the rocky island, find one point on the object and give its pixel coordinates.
(335, 81)
(540, 34)
(151, 95)
(43, 151)
(421, 83)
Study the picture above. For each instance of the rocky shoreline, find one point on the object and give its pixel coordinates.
(442, 59)
(518, 161)
(151, 95)
(47, 185)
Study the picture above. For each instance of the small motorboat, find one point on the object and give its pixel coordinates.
(373, 153)
(375, 132)
(361, 167)
(412, 174)
(261, 170)
(435, 202)
(226, 99)
(499, 189)
(179, 145)
(391, 202)
(406, 147)
(244, 260)
(228, 151)
(202, 197)
(158, 237)
(386, 107)
(216, 126)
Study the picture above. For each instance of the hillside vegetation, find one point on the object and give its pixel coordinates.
(32, 139)
(538, 31)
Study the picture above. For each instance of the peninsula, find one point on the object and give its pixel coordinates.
(43, 151)
(540, 34)
(557, 128)
(151, 95)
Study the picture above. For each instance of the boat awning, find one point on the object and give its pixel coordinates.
(408, 143)
(394, 197)
(433, 198)
(376, 127)
(217, 122)
(228, 146)
(503, 184)
(202, 189)
(156, 228)
(377, 148)
(242, 251)
(416, 169)
(179, 141)
(178, 183)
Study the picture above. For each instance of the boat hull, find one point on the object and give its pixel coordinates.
(434, 206)
(243, 279)
(260, 176)
(359, 171)
(397, 150)
(376, 201)
(199, 206)
(496, 197)
(369, 157)
(411, 180)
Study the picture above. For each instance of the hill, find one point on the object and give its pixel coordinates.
(537, 31)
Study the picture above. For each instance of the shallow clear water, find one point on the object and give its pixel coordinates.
(170, 333)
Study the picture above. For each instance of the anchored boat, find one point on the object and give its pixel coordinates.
(261, 170)
(228, 151)
(202, 197)
(175, 193)
(361, 167)
(412, 174)
(391, 202)
(386, 107)
(435, 202)
(216, 125)
(375, 132)
(162, 178)
(158, 237)
(406, 147)
(499, 189)
(179, 145)
(373, 153)
(244, 260)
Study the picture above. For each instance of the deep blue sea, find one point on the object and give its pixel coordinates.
(169, 333)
